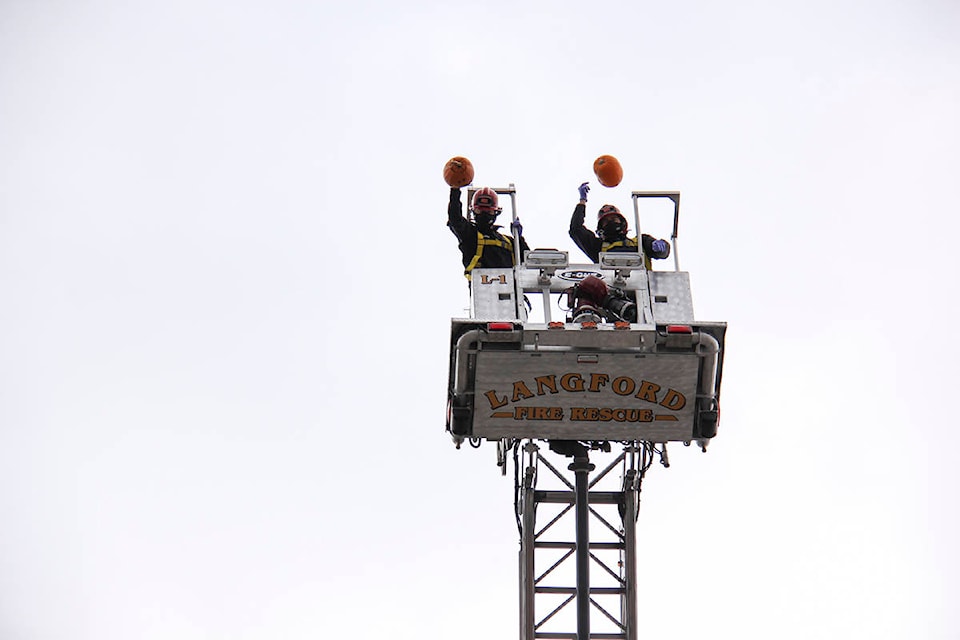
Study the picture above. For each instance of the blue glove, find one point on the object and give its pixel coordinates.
(659, 246)
(516, 226)
(583, 189)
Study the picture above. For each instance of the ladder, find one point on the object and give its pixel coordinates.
(572, 582)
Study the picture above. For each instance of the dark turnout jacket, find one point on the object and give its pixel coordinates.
(591, 245)
(488, 249)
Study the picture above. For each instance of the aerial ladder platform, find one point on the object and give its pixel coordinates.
(560, 362)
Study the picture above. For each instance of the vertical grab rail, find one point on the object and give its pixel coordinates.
(673, 196)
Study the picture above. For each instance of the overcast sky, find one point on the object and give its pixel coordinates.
(226, 287)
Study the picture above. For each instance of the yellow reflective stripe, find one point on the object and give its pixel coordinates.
(476, 258)
(482, 241)
(506, 243)
(629, 242)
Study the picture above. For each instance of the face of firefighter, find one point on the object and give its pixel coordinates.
(611, 228)
(485, 219)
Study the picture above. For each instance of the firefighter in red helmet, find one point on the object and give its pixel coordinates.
(480, 242)
(611, 234)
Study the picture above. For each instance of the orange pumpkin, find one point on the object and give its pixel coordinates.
(458, 172)
(608, 170)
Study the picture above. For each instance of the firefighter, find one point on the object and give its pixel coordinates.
(611, 234)
(480, 242)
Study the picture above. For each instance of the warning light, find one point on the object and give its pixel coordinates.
(679, 328)
(499, 326)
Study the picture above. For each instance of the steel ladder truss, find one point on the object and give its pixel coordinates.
(567, 578)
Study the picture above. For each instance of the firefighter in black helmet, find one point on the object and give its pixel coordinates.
(480, 242)
(611, 234)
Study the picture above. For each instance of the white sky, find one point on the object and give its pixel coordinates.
(226, 284)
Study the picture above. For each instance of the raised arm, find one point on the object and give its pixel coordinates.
(455, 220)
(587, 240)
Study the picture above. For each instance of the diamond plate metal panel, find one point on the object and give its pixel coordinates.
(493, 294)
(670, 297)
